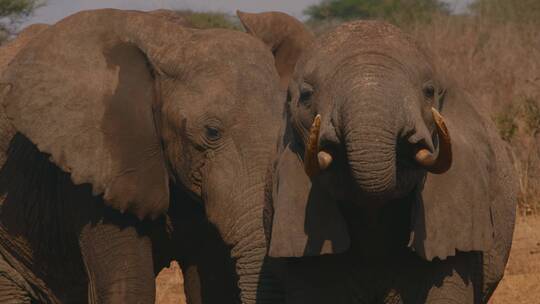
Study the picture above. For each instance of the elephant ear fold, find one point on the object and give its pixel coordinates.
(84, 96)
(307, 221)
(286, 37)
(453, 211)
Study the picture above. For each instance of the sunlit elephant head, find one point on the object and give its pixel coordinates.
(366, 126)
(134, 105)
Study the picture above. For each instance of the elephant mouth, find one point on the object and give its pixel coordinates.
(317, 160)
(388, 172)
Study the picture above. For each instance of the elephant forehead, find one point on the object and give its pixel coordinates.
(219, 79)
(224, 90)
(361, 37)
(365, 34)
(365, 46)
(231, 46)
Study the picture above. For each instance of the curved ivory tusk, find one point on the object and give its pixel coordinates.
(314, 160)
(443, 161)
(311, 163)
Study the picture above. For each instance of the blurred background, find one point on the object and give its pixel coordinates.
(490, 47)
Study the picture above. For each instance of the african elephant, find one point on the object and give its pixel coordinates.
(376, 197)
(132, 141)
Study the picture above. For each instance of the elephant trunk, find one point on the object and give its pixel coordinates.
(118, 261)
(388, 144)
(370, 133)
(236, 206)
(246, 235)
(256, 283)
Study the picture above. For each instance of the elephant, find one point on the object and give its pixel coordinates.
(390, 184)
(129, 141)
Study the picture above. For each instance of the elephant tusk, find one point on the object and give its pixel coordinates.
(325, 160)
(315, 161)
(443, 161)
(311, 163)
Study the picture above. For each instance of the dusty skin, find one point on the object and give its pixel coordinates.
(162, 86)
(520, 284)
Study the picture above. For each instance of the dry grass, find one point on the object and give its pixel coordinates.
(499, 64)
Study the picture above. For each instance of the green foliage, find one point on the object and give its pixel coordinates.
(520, 11)
(397, 11)
(531, 116)
(523, 116)
(12, 12)
(506, 123)
(16, 8)
(204, 20)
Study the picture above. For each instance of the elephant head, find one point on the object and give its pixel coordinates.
(365, 129)
(133, 104)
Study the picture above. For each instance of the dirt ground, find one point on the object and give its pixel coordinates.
(170, 286)
(521, 284)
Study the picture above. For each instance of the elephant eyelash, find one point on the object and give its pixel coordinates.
(305, 97)
(212, 138)
(429, 91)
(212, 133)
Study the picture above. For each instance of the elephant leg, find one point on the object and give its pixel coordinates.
(453, 291)
(453, 281)
(460, 284)
(11, 290)
(11, 293)
(118, 261)
(209, 275)
(13, 287)
(192, 284)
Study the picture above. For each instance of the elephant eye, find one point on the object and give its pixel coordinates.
(429, 91)
(212, 133)
(306, 91)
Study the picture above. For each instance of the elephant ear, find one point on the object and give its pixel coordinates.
(286, 37)
(452, 211)
(173, 16)
(10, 49)
(83, 91)
(306, 220)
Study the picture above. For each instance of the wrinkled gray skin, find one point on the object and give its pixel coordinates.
(171, 129)
(397, 233)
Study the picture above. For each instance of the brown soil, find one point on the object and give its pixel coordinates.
(521, 284)
(170, 286)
